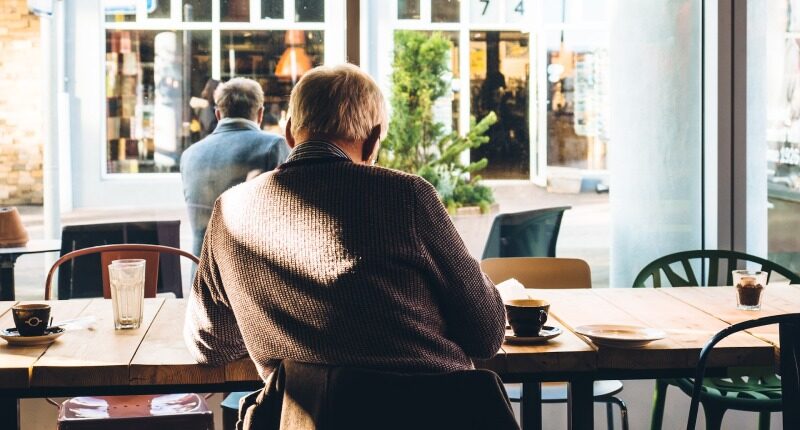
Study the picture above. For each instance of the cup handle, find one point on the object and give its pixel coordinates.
(542, 317)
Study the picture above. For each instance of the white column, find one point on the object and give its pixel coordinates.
(655, 149)
(51, 86)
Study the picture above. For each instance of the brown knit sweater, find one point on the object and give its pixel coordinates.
(327, 261)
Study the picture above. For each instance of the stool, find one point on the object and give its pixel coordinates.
(144, 412)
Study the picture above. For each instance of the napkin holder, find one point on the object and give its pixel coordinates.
(12, 232)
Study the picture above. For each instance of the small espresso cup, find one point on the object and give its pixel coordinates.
(527, 317)
(31, 319)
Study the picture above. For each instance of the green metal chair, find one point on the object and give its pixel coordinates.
(525, 234)
(755, 392)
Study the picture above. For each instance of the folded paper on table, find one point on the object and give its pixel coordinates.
(511, 289)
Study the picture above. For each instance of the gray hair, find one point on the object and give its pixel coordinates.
(239, 98)
(337, 102)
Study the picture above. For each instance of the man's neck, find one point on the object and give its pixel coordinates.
(352, 149)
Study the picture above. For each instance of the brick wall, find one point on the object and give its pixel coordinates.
(20, 105)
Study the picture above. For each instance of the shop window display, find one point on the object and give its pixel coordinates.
(160, 82)
(264, 56)
(499, 72)
(577, 100)
(146, 85)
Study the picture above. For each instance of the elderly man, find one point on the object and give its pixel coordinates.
(329, 259)
(237, 150)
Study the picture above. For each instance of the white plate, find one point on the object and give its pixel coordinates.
(547, 333)
(620, 336)
(13, 338)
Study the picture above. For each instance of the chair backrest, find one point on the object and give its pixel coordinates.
(335, 397)
(108, 253)
(679, 269)
(540, 272)
(789, 327)
(525, 234)
(82, 278)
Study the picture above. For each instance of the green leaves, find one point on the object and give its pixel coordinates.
(415, 142)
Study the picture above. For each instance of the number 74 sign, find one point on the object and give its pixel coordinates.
(498, 11)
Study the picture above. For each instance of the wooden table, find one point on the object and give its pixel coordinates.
(8, 258)
(153, 358)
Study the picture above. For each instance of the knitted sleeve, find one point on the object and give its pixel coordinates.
(210, 331)
(470, 303)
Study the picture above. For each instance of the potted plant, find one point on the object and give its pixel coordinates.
(417, 143)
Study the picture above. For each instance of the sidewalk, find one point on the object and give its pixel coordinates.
(585, 231)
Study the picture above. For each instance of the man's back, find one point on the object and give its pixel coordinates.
(336, 263)
(224, 159)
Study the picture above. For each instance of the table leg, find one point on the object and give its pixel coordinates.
(9, 413)
(7, 277)
(581, 404)
(530, 406)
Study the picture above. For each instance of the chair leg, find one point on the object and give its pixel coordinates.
(610, 415)
(714, 415)
(623, 412)
(763, 420)
(659, 399)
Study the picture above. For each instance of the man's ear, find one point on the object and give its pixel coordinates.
(371, 145)
(218, 114)
(288, 131)
(260, 116)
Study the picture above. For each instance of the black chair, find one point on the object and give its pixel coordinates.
(333, 397)
(758, 393)
(789, 326)
(525, 234)
(712, 261)
(82, 278)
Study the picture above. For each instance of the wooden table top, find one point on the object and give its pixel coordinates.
(155, 353)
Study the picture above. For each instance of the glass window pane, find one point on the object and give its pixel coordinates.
(309, 10)
(196, 10)
(407, 9)
(158, 9)
(773, 128)
(234, 10)
(272, 9)
(276, 59)
(499, 67)
(445, 10)
(117, 12)
(150, 82)
(577, 110)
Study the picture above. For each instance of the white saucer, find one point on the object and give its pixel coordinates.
(620, 336)
(11, 335)
(547, 333)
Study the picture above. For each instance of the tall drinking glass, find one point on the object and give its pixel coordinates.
(127, 292)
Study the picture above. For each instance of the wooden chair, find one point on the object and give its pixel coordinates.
(789, 329)
(555, 273)
(108, 253)
(187, 410)
(756, 393)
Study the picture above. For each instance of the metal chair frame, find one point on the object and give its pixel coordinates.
(123, 250)
(789, 329)
(715, 407)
